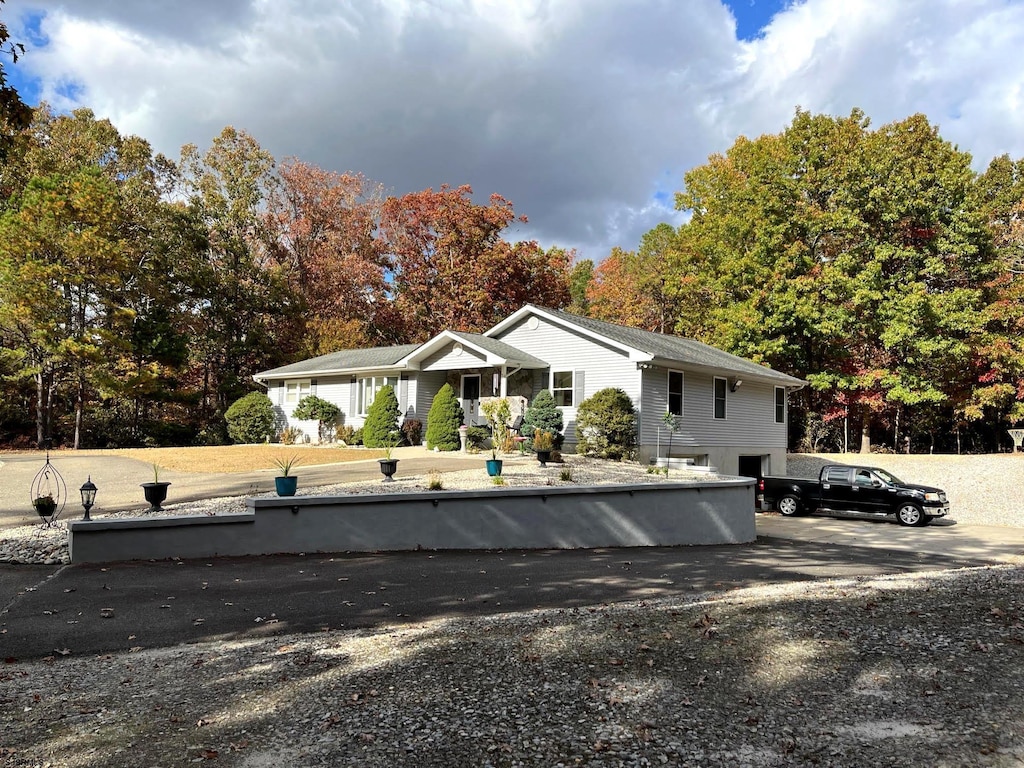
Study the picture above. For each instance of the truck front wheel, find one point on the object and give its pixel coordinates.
(911, 514)
(789, 505)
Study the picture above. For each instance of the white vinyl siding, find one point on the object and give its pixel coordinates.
(566, 350)
(453, 357)
(751, 414)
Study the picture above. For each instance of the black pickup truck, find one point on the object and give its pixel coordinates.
(866, 490)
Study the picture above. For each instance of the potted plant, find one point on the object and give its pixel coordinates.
(388, 465)
(45, 505)
(286, 482)
(543, 443)
(155, 492)
(494, 464)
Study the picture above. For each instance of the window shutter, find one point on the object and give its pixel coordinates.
(403, 393)
(578, 388)
(352, 404)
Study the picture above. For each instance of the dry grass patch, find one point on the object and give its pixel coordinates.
(243, 458)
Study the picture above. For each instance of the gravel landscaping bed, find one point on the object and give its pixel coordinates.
(912, 670)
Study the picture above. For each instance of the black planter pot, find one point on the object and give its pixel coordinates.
(388, 467)
(494, 467)
(156, 494)
(286, 486)
(543, 457)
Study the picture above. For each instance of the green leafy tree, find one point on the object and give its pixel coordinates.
(381, 426)
(244, 310)
(443, 420)
(326, 413)
(250, 419)
(848, 256)
(544, 415)
(606, 425)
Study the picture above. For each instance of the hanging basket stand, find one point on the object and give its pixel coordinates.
(49, 493)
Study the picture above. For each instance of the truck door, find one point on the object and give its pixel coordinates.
(836, 488)
(863, 492)
(875, 495)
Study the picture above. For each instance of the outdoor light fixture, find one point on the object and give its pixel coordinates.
(88, 492)
(735, 384)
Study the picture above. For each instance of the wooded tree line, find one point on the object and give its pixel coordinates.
(874, 263)
(138, 294)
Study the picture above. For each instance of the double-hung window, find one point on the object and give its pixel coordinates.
(562, 387)
(367, 389)
(675, 393)
(294, 391)
(721, 388)
(780, 405)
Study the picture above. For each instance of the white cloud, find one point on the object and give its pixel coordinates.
(584, 113)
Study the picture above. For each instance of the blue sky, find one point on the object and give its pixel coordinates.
(585, 113)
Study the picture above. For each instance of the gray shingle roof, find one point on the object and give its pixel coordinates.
(500, 348)
(676, 348)
(375, 357)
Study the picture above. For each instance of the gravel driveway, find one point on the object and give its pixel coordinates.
(922, 669)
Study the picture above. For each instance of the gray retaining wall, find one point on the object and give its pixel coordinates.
(642, 515)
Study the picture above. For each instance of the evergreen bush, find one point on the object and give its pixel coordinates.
(381, 427)
(606, 425)
(250, 419)
(544, 415)
(443, 420)
(313, 408)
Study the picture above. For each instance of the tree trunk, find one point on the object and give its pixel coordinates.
(41, 407)
(865, 435)
(79, 408)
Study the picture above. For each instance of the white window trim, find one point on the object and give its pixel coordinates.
(301, 387)
(571, 389)
(725, 400)
(785, 405)
(378, 382)
(682, 392)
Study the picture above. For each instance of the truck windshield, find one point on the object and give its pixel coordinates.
(888, 477)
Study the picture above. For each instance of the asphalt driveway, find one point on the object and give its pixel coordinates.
(96, 608)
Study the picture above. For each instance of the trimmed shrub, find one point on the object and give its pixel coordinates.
(544, 415)
(606, 425)
(381, 427)
(250, 418)
(412, 431)
(313, 408)
(357, 437)
(443, 420)
(477, 437)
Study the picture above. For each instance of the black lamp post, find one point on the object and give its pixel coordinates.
(88, 492)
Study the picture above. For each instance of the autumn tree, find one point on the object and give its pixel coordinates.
(15, 114)
(452, 268)
(320, 226)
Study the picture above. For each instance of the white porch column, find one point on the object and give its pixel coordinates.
(504, 381)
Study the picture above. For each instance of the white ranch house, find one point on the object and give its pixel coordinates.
(732, 412)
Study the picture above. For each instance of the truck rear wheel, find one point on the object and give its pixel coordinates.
(789, 505)
(911, 514)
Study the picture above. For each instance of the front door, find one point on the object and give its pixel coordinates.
(471, 397)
